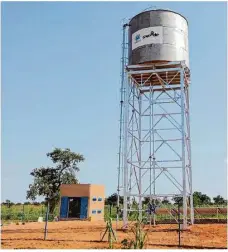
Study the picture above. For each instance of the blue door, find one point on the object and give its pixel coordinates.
(84, 208)
(64, 207)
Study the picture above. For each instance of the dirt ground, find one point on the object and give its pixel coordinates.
(83, 234)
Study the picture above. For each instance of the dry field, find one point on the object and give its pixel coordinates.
(83, 234)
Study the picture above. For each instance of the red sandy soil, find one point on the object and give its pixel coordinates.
(85, 234)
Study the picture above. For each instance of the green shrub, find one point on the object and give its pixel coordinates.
(8, 217)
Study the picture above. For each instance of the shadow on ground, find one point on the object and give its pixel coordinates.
(184, 246)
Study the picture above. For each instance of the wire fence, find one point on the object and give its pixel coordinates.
(25, 213)
(169, 214)
(164, 214)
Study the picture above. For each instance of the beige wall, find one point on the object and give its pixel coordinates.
(90, 191)
(98, 192)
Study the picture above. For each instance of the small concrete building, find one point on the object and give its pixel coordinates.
(82, 201)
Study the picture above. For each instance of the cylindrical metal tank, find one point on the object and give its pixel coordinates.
(158, 36)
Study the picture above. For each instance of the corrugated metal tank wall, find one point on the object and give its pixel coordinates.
(158, 36)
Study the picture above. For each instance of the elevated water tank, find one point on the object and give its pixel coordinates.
(158, 36)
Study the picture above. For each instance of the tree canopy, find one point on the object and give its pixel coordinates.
(165, 201)
(201, 199)
(219, 200)
(47, 180)
(8, 203)
(147, 200)
(198, 199)
(112, 199)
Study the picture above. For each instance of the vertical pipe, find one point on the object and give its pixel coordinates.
(121, 121)
(126, 104)
(131, 127)
(184, 193)
(190, 159)
(150, 155)
(125, 159)
(150, 150)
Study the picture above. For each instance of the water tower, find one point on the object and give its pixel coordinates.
(155, 147)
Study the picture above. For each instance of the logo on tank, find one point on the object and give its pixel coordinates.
(137, 38)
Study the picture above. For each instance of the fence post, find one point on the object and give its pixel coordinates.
(46, 221)
(23, 214)
(217, 214)
(179, 236)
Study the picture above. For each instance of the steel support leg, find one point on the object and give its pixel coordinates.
(140, 170)
(184, 193)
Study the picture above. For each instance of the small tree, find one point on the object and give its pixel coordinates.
(205, 200)
(112, 200)
(201, 199)
(219, 200)
(198, 199)
(36, 203)
(147, 200)
(134, 202)
(165, 201)
(27, 203)
(9, 203)
(47, 180)
(178, 199)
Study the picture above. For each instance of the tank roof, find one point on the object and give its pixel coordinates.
(159, 10)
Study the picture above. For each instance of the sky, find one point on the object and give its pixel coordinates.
(61, 82)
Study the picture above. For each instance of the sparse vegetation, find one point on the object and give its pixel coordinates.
(110, 232)
(140, 236)
(31, 211)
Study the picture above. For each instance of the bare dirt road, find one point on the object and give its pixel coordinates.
(83, 234)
